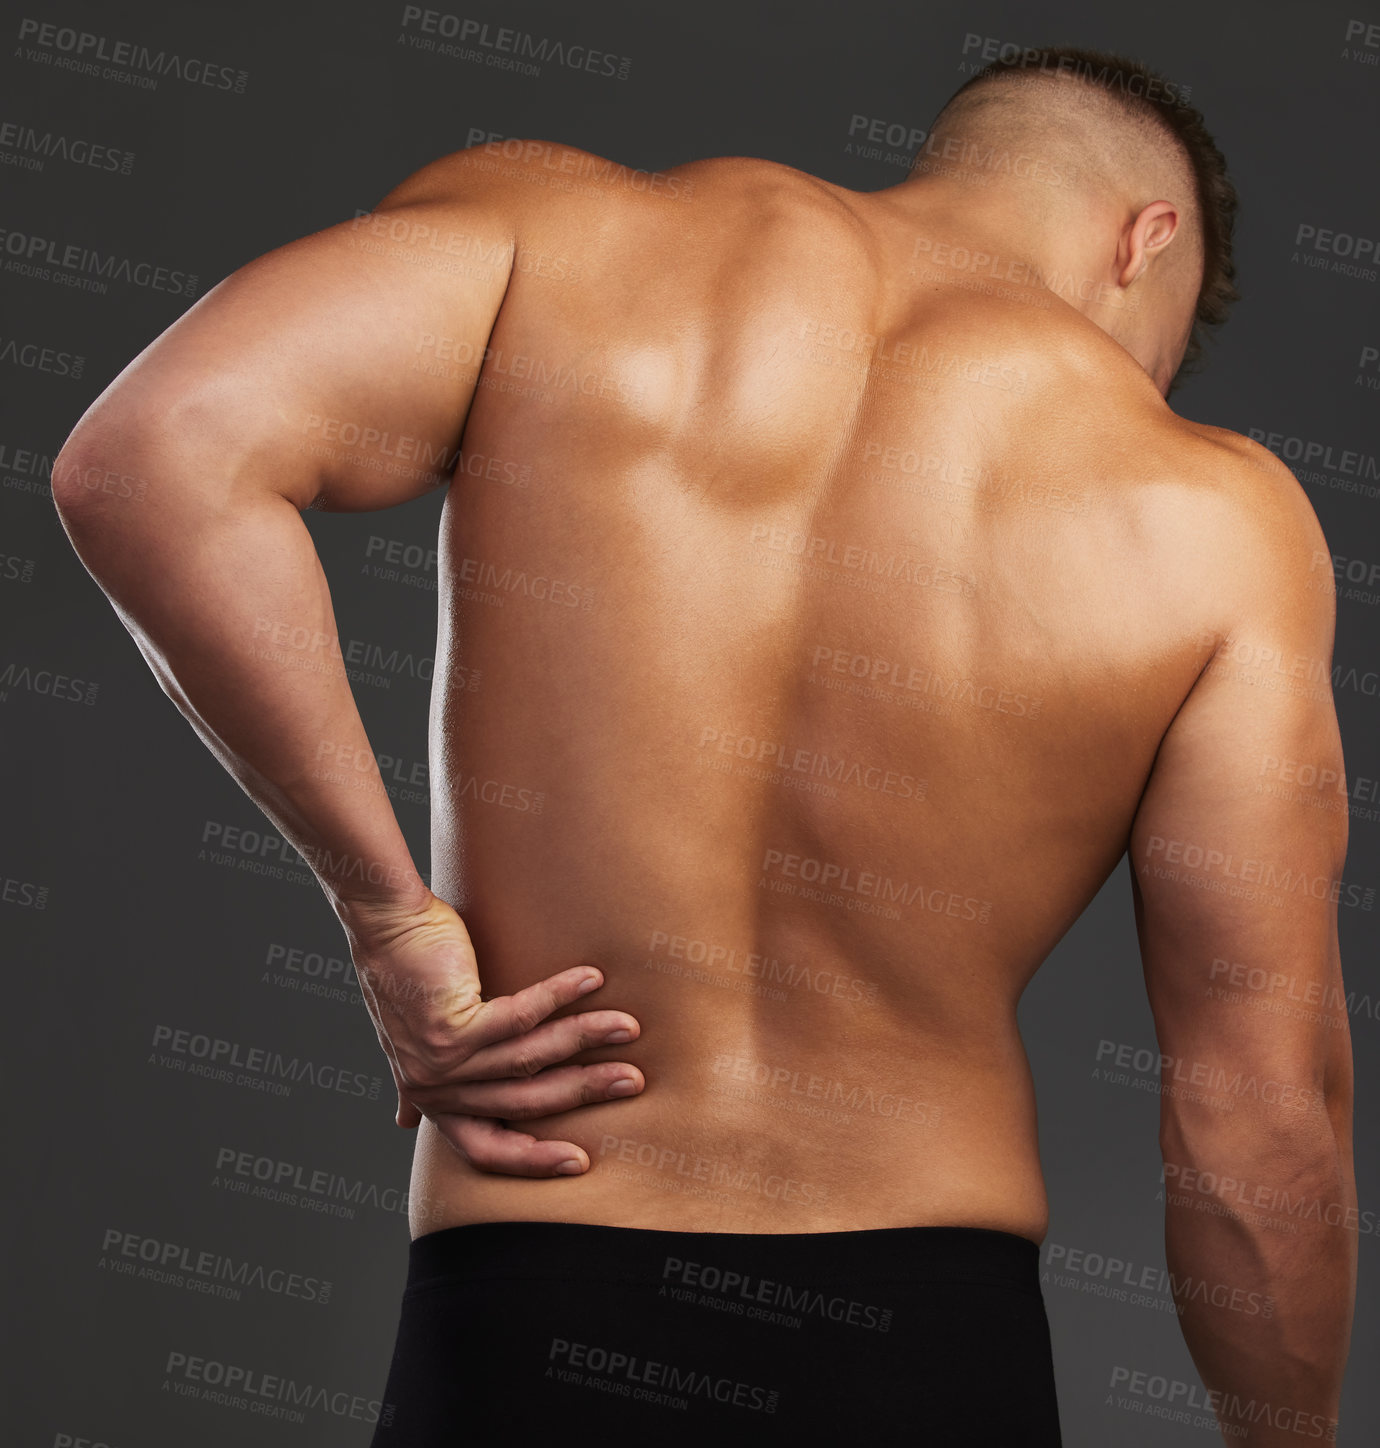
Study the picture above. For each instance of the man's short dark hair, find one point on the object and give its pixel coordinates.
(1143, 94)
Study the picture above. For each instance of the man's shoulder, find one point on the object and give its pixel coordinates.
(543, 187)
(528, 170)
(1261, 522)
(520, 170)
(1255, 484)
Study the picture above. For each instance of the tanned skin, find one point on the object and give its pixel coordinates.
(838, 624)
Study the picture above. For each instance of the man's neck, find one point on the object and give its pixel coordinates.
(1065, 243)
(1036, 235)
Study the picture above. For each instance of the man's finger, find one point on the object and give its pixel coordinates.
(512, 1015)
(561, 1088)
(547, 1045)
(490, 1146)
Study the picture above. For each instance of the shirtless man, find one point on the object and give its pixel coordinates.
(828, 600)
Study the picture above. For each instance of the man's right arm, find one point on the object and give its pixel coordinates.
(298, 381)
(1236, 857)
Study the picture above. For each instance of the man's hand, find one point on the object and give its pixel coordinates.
(468, 1064)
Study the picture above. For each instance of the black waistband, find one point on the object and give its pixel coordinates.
(600, 1252)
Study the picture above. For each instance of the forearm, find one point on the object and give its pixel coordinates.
(1261, 1248)
(223, 592)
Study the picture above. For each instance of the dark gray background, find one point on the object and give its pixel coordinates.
(108, 801)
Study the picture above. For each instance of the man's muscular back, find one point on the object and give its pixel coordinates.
(809, 626)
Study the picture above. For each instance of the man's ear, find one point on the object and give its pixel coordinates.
(1147, 235)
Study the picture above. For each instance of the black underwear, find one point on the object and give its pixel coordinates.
(524, 1332)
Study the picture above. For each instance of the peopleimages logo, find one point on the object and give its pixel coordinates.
(80, 50)
(1310, 453)
(47, 682)
(758, 1297)
(29, 148)
(84, 267)
(669, 1384)
(980, 50)
(178, 1264)
(503, 47)
(272, 1179)
(1181, 1398)
(268, 1394)
(1127, 1280)
(199, 1054)
(36, 357)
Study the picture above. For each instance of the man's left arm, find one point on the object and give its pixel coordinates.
(292, 384)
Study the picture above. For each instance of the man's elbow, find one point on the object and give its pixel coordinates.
(99, 471)
(145, 447)
(1252, 1153)
(76, 477)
